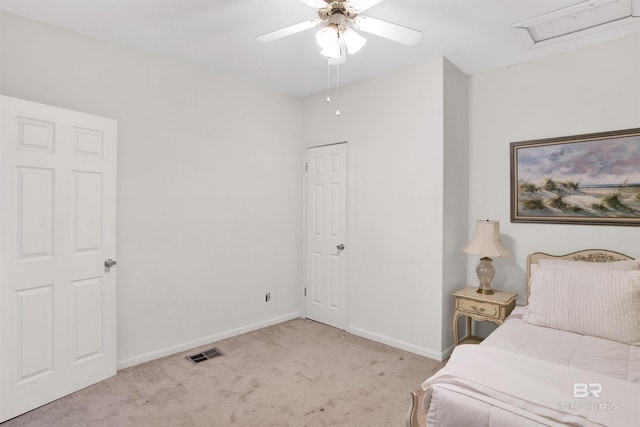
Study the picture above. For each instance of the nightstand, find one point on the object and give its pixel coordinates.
(493, 308)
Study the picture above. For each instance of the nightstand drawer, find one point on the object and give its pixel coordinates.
(479, 308)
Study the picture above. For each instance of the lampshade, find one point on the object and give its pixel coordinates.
(328, 40)
(486, 240)
(353, 40)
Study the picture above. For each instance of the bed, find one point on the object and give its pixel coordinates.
(570, 357)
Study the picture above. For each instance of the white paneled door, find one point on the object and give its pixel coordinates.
(57, 236)
(325, 291)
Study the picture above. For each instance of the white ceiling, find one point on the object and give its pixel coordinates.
(219, 35)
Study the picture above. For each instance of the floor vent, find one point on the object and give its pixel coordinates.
(205, 355)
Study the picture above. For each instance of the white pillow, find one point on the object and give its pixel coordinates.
(600, 303)
(628, 265)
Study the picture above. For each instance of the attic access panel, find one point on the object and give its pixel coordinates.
(587, 16)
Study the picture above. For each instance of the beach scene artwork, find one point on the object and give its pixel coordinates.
(580, 180)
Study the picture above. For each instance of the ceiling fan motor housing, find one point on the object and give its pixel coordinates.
(337, 12)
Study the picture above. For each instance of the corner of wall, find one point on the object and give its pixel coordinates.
(456, 190)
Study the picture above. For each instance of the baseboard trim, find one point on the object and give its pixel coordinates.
(168, 351)
(402, 345)
(447, 352)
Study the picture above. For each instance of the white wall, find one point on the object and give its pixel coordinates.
(199, 156)
(589, 90)
(394, 125)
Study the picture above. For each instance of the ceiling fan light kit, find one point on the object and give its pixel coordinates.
(334, 41)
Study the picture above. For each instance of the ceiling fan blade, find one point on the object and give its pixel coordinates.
(385, 29)
(315, 3)
(287, 31)
(362, 5)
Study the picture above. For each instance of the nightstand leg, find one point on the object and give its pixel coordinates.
(469, 326)
(455, 330)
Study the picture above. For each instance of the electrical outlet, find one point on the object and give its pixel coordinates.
(267, 297)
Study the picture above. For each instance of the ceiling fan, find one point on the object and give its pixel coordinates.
(338, 21)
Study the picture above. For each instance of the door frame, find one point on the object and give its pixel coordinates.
(303, 227)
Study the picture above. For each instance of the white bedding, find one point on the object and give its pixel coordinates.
(592, 354)
(501, 382)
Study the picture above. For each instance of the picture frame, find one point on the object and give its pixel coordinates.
(582, 179)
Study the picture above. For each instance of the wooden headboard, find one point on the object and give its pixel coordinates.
(588, 255)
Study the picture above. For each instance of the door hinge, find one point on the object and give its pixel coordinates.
(306, 167)
(305, 292)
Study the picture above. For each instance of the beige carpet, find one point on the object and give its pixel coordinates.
(297, 373)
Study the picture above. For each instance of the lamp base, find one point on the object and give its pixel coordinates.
(485, 272)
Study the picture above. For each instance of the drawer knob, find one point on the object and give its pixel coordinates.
(481, 309)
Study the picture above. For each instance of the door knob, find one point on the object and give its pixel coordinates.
(340, 247)
(109, 263)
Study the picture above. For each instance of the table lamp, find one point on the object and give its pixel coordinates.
(486, 243)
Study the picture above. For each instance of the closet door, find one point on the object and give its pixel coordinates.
(57, 229)
(326, 283)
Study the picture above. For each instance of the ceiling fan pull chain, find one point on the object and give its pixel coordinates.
(338, 77)
(338, 89)
(328, 80)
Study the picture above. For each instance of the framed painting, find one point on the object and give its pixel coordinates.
(581, 179)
